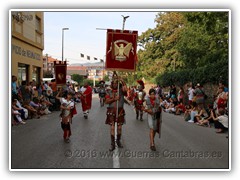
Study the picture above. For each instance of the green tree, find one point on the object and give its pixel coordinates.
(158, 52)
(78, 78)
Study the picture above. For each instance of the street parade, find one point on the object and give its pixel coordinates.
(124, 112)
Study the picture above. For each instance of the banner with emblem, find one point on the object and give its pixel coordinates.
(60, 72)
(121, 52)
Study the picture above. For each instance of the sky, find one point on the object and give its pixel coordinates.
(83, 35)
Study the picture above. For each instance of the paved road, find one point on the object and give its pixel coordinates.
(39, 144)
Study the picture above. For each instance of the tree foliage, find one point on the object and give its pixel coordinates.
(184, 44)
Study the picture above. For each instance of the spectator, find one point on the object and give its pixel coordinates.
(53, 85)
(16, 112)
(180, 108)
(32, 111)
(193, 112)
(173, 90)
(18, 104)
(221, 98)
(190, 94)
(199, 92)
(180, 95)
(14, 87)
(221, 121)
(209, 119)
(25, 91)
(221, 85)
(202, 114)
(187, 113)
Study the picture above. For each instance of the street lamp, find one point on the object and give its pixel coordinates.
(63, 39)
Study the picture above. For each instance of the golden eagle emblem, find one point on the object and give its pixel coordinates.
(121, 49)
(60, 76)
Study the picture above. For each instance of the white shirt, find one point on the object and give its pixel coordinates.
(83, 89)
(49, 91)
(223, 119)
(190, 94)
(66, 103)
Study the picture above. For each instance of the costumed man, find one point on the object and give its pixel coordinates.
(67, 107)
(86, 98)
(102, 93)
(139, 100)
(115, 110)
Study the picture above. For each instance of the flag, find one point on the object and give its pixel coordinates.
(88, 57)
(121, 53)
(95, 58)
(82, 55)
(60, 72)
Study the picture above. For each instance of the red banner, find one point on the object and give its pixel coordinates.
(60, 72)
(121, 53)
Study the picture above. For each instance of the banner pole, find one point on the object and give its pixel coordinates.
(118, 88)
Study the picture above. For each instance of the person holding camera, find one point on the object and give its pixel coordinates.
(154, 111)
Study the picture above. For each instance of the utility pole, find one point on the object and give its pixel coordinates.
(63, 41)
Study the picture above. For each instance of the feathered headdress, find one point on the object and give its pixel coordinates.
(141, 83)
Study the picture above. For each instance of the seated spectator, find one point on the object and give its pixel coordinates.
(187, 113)
(180, 108)
(165, 103)
(209, 119)
(202, 114)
(193, 112)
(16, 108)
(35, 103)
(17, 117)
(44, 104)
(172, 106)
(220, 121)
(32, 111)
(24, 109)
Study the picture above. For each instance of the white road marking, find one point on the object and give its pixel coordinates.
(116, 163)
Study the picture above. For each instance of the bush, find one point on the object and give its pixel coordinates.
(212, 73)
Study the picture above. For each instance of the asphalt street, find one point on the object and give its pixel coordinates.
(39, 144)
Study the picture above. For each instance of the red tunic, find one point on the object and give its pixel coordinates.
(87, 99)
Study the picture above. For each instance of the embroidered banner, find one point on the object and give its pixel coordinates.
(60, 72)
(121, 53)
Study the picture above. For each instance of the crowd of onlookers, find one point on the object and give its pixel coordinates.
(195, 109)
(33, 100)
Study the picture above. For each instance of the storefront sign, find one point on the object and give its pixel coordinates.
(25, 53)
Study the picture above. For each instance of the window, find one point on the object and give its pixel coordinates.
(38, 24)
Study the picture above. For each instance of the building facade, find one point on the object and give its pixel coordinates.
(27, 44)
(95, 72)
(48, 65)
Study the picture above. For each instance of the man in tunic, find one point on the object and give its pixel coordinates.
(139, 99)
(86, 99)
(115, 110)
